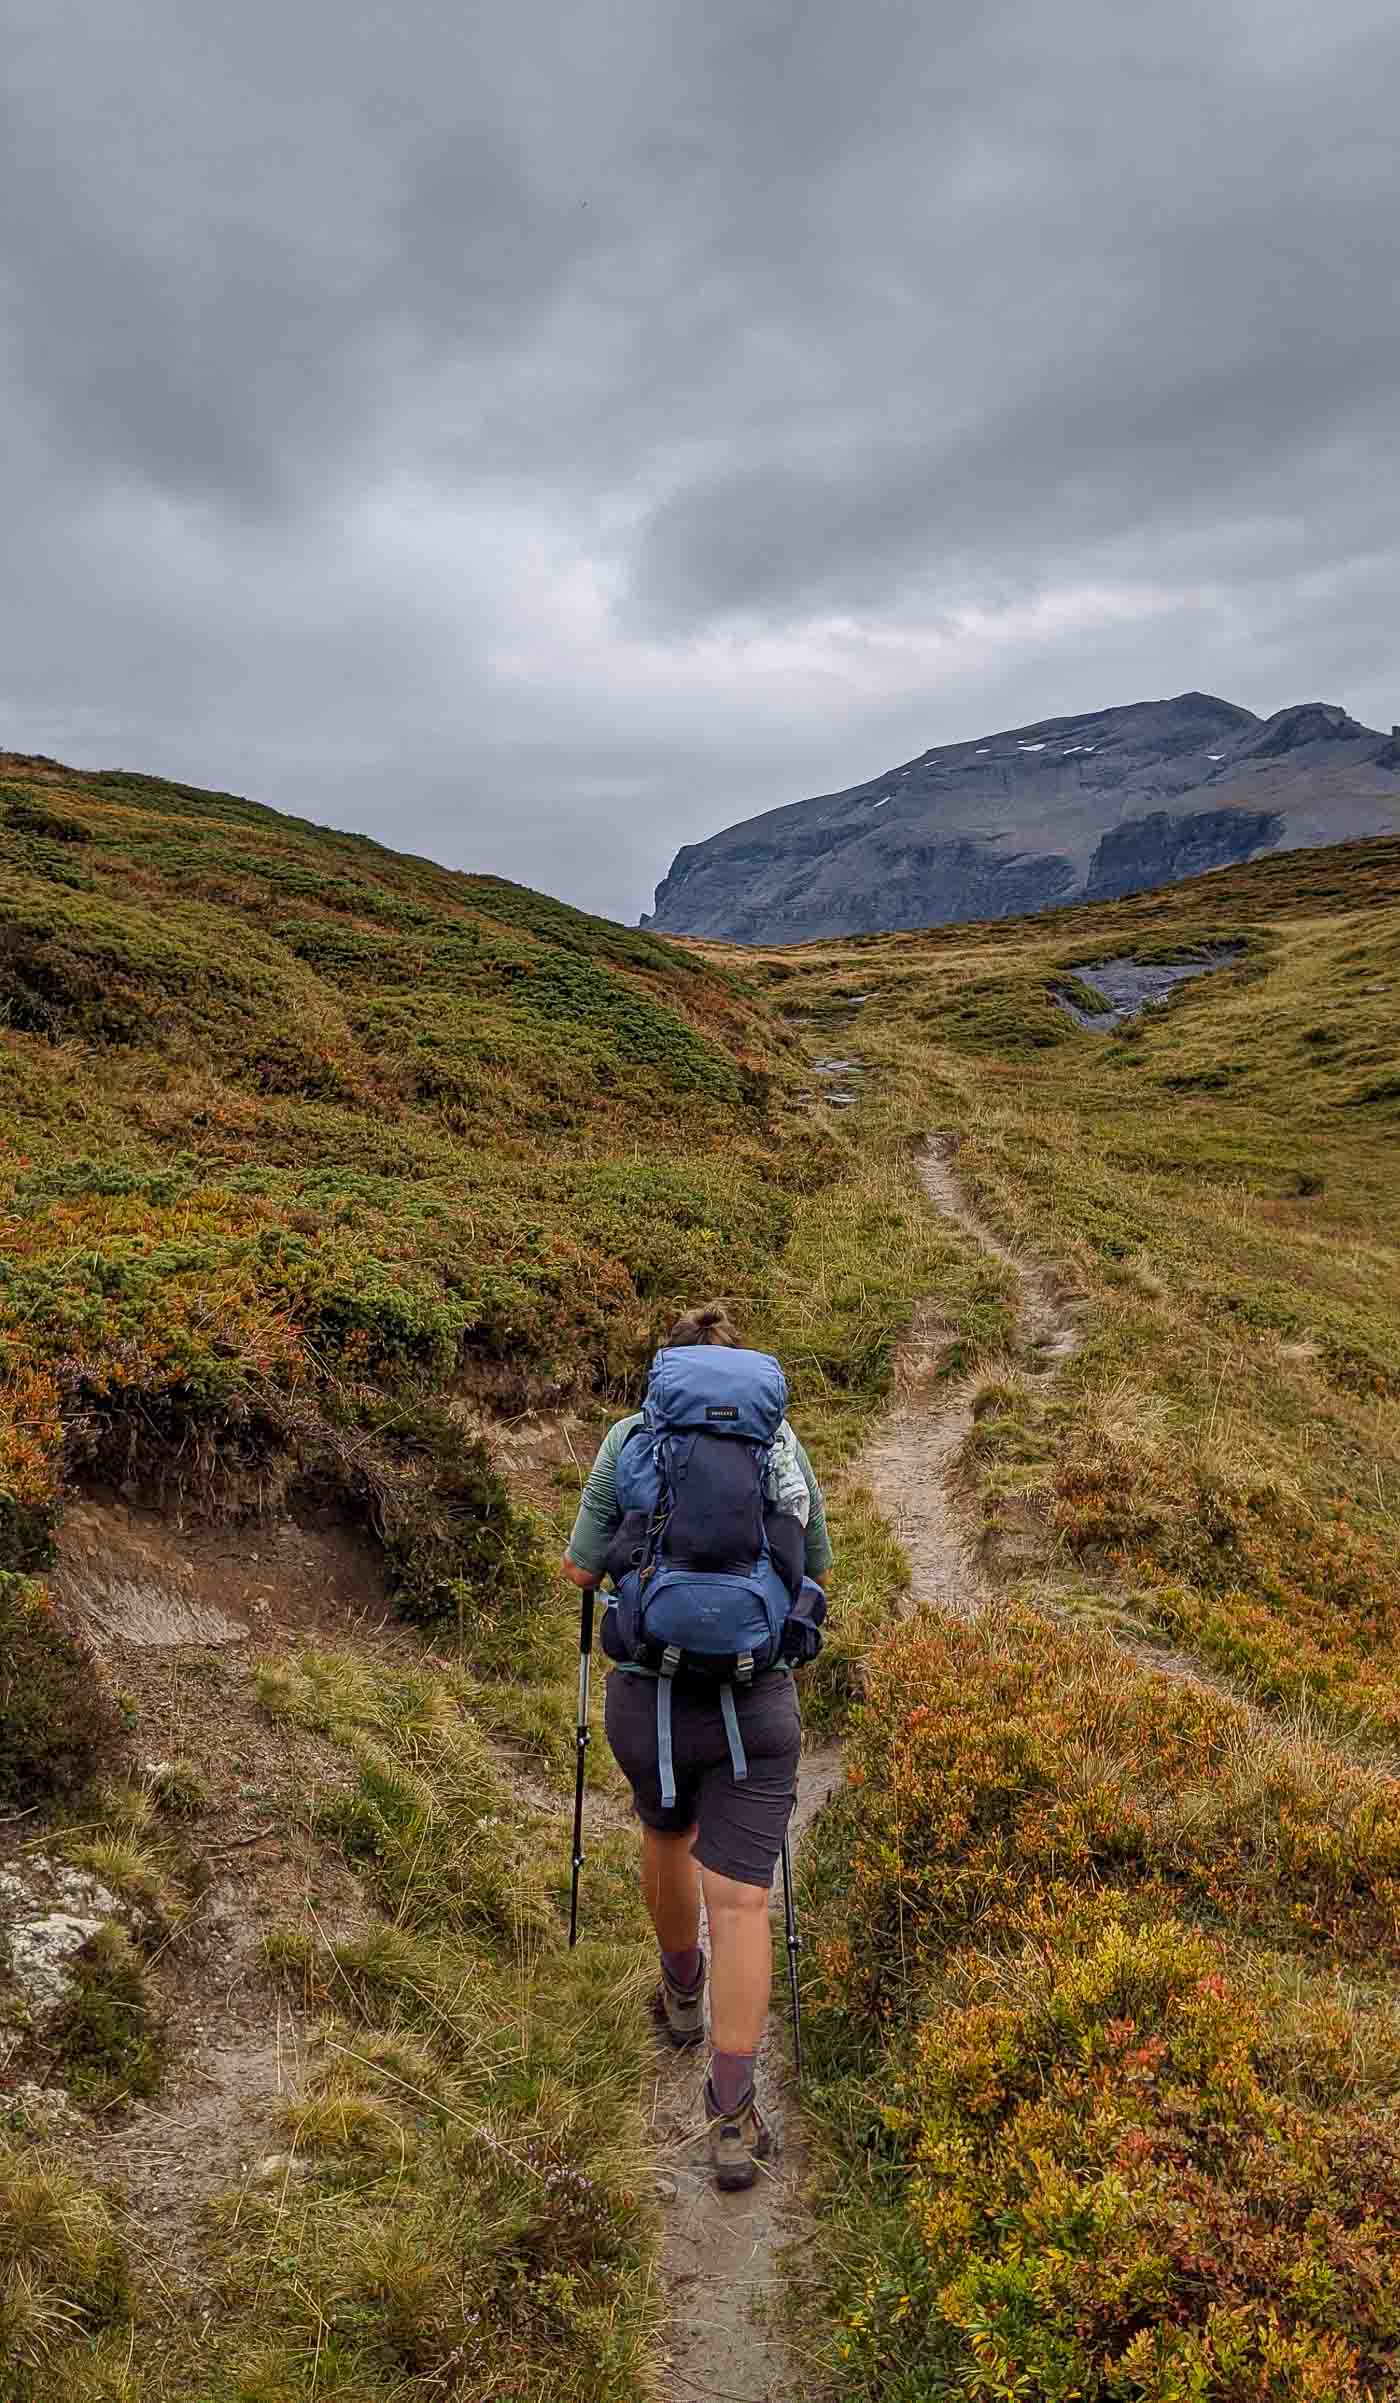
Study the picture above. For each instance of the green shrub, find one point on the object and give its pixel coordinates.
(57, 1727)
(106, 2039)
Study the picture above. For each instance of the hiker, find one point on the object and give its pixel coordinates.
(681, 1499)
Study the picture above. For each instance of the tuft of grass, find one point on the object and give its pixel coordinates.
(132, 1871)
(178, 1789)
(429, 1819)
(873, 1574)
(355, 2124)
(63, 2281)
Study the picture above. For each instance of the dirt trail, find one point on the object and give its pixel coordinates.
(909, 1458)
(720, 2259)
(721, 2265)
(911, 1454)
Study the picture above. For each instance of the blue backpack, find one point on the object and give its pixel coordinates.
(707, 1578)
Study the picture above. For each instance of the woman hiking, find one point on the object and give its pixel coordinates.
(704, 1512)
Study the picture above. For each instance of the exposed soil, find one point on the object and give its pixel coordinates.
(237, 2043)
(142, 1577)
(182, 1612)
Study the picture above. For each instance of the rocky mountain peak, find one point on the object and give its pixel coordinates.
(1105, 802)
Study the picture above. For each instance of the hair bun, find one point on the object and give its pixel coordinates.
(708, 1322)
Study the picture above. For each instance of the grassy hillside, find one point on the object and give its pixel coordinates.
(293, 1124)
(1220, 1178)
(339, 1189)
(321, 1170)
(1111, 1961)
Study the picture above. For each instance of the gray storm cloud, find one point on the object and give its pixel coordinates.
(541, 436)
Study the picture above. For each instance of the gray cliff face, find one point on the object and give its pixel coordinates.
(1074, 808)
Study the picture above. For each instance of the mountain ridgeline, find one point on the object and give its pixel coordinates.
(1073, 809)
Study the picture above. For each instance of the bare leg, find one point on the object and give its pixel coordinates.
(671, 1888)
(741, 1973)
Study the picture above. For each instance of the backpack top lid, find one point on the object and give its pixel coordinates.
(707, 1388)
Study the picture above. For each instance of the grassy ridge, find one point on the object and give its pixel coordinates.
(282, 1116)
(310, 1154)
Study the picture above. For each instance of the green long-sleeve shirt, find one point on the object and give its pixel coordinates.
(599, 1517)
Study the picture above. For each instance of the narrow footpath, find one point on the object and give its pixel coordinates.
(720, 2257)
(721, 2267)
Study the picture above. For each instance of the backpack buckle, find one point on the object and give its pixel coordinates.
(743, 1669)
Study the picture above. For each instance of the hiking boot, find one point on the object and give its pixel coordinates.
(739, 2140)
(679, 2011)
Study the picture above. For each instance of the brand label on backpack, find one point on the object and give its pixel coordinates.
(721, 1410)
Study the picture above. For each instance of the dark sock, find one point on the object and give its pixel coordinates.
(731, 2079)
(682, 1968)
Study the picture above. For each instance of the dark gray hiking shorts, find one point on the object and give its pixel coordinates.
(739, 1826)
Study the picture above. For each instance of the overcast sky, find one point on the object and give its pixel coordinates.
(541, 432)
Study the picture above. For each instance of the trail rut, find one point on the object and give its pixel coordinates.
(909, 1458)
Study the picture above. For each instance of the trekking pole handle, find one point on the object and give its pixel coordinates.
(585, 1661)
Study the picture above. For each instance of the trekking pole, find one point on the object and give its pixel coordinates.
(585, 1663)
(794, 1947)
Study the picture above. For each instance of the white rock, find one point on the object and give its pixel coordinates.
(274, 2167)
(40, 1951)
(48, 1914)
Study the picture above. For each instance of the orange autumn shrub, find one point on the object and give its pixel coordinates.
(1000, 1761)
(1114, 2199)
(1108, 2155)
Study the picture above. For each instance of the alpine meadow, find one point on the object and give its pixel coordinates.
(343, 1199)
